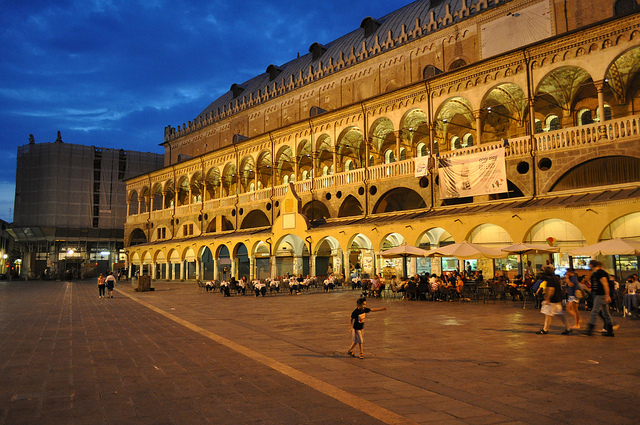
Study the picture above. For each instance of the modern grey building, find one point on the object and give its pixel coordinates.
(70, 206)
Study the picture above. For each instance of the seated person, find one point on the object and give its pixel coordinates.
(260, 288)
(224, 288)
(329, 282)
(210, 286)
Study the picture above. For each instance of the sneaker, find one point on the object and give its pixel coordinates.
(567, 332)
(542, 332)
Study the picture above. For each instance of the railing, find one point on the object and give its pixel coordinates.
(623, 127)
(612, 130)
(324, 182)
(394, 169)
(567, 138)
(350, 177)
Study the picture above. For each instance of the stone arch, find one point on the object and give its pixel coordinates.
(324, 152)
(454, 117)
(229, 179)
(350, 207)
(315, 210)
(415, 131)
(594, 172)
(399, 199)
(284, 165)
(137, 237)
(247, 174)
(505, 110)
(264, 168)
(304, 156)
(255, 218)
(351, 147)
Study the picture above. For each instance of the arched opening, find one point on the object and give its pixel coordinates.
(315, 210)
(609, 170)
(399, 199)
(350, 207)
(206, 259)
(137, 237)
(255, 218)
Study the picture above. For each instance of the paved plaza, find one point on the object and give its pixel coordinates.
(179, 355)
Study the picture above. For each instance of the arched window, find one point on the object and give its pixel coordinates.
(553, 123)
(371, 161)
(607, 113)
(348, 166)
(325, 171)
(403, 154)
(456, 143)
(430, 71)
(584, 117)
(252, 187)
(292, 178)
(388, 157)
(304, 175)
(259, 185)
(538, 127)
(421, 150)
(458, 63)
(467, 140)
(285, 179)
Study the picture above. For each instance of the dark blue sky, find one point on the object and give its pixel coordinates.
(115, 73)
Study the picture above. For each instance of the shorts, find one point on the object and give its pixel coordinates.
(357, 336)
(573, 299)
(552, 309)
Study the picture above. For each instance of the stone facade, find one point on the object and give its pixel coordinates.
(340, 130)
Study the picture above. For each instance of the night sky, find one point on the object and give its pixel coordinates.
(114, 73)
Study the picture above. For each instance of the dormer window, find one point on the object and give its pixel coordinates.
(236, 90)
(273, 72)
(369, 25)
(317, 50)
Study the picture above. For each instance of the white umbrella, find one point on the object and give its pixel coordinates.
(615, 246)
(465, 250)
(525, 248)
(403, 251)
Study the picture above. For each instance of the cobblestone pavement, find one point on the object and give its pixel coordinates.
(178, 355)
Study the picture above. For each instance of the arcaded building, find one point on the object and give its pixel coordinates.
(491, 121)
(70, 206)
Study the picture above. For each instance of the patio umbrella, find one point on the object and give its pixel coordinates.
(525, 248)
(466, 250)
(403, 251)
(615, 246)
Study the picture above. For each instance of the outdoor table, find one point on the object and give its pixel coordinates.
(485, 293)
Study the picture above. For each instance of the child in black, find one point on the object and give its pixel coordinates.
(357, 324)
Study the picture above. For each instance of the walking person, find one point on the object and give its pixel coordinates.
(573, 290)
(111, 282)
(356, 325)
(601, 294)
(552, 304)
(101, 286)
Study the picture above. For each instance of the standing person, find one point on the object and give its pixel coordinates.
(552, 304)
(356, 325)
(101, 285)
(601, 294)
(571, 279)
(110, 281)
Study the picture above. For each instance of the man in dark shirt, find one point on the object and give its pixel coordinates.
(356, 325)
(552, 304)
(601, 294)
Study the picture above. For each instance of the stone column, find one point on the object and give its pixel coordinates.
(164, 199)
(273, 269)
(478, 115)
(216, 273)
(312, 264)
(183, 270)
(128, 208)
(153, 271)
(252, 272)
(198, 268)
(602, 127)
(335, 159)
(397, 146)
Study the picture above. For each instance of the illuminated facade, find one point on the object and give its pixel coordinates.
(311, 166)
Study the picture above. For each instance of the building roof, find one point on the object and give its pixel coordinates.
(408, 23)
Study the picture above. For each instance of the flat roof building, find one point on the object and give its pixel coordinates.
(70, 205)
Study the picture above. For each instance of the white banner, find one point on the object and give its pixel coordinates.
(422, 166)
(473, 174)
